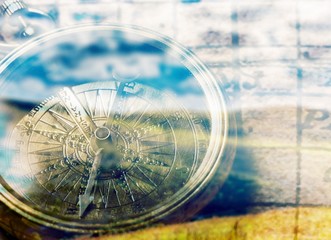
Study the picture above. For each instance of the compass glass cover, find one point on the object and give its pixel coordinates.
(107, 127)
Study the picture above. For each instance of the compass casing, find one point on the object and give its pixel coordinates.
(110, 128)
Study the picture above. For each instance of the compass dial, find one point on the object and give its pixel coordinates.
(108, 128)
(141, 162)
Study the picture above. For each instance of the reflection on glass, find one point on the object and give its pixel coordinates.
(107, 127)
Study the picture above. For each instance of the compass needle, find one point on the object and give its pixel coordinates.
(86, 198)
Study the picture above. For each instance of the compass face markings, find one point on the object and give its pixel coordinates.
(70, 191)
(52, 167)
(140, 115)
(77, 112)
(142, 182)
(99, 106)
(107, 192)
(155, 135)
(54, 126)
(63, 121)
(151, 145)
(109, 100)
(116, 193)
(132, 104)
(47, 143)
(47, 160)
(140, 153)
(55, 177)
(163, 139)
(105, 102)
(60, 184)
(51, 151)
(83, 98)
(145, 175)
(153, 162)
(55, 137)
(126, 186)
(136, 183)
(152, 171)
(103, 192)
(160, 153)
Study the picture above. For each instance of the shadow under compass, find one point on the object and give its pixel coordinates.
(236, 196)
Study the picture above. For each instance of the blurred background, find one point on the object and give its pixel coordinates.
(273, 58)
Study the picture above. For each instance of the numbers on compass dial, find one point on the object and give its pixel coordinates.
(104, 148)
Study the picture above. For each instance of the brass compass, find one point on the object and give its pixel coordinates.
(126, 129)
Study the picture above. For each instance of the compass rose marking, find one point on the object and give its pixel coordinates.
(56, 176)
(116, 193)
(145, 122)
(142, 113)
(144, 185)
(121, 122)
(102, 103)
(72, 188)
(102, 194)
(156, 135)
(160, 153)
(98, 107)
(58, 165)
(47, 160)
(54, 126)
(108, 98)
(91, 98)
(77, 112)
(152, 143)
(142, 165)
(136, 183)
(149, 179)
(117, 99)
(132, 105)
(48, 151)
(47, 143)
(85, 103)
(62, 180)
(128, 190)
(64, 122)
(106, 199)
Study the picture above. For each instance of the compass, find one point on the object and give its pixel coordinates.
(108, 128)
